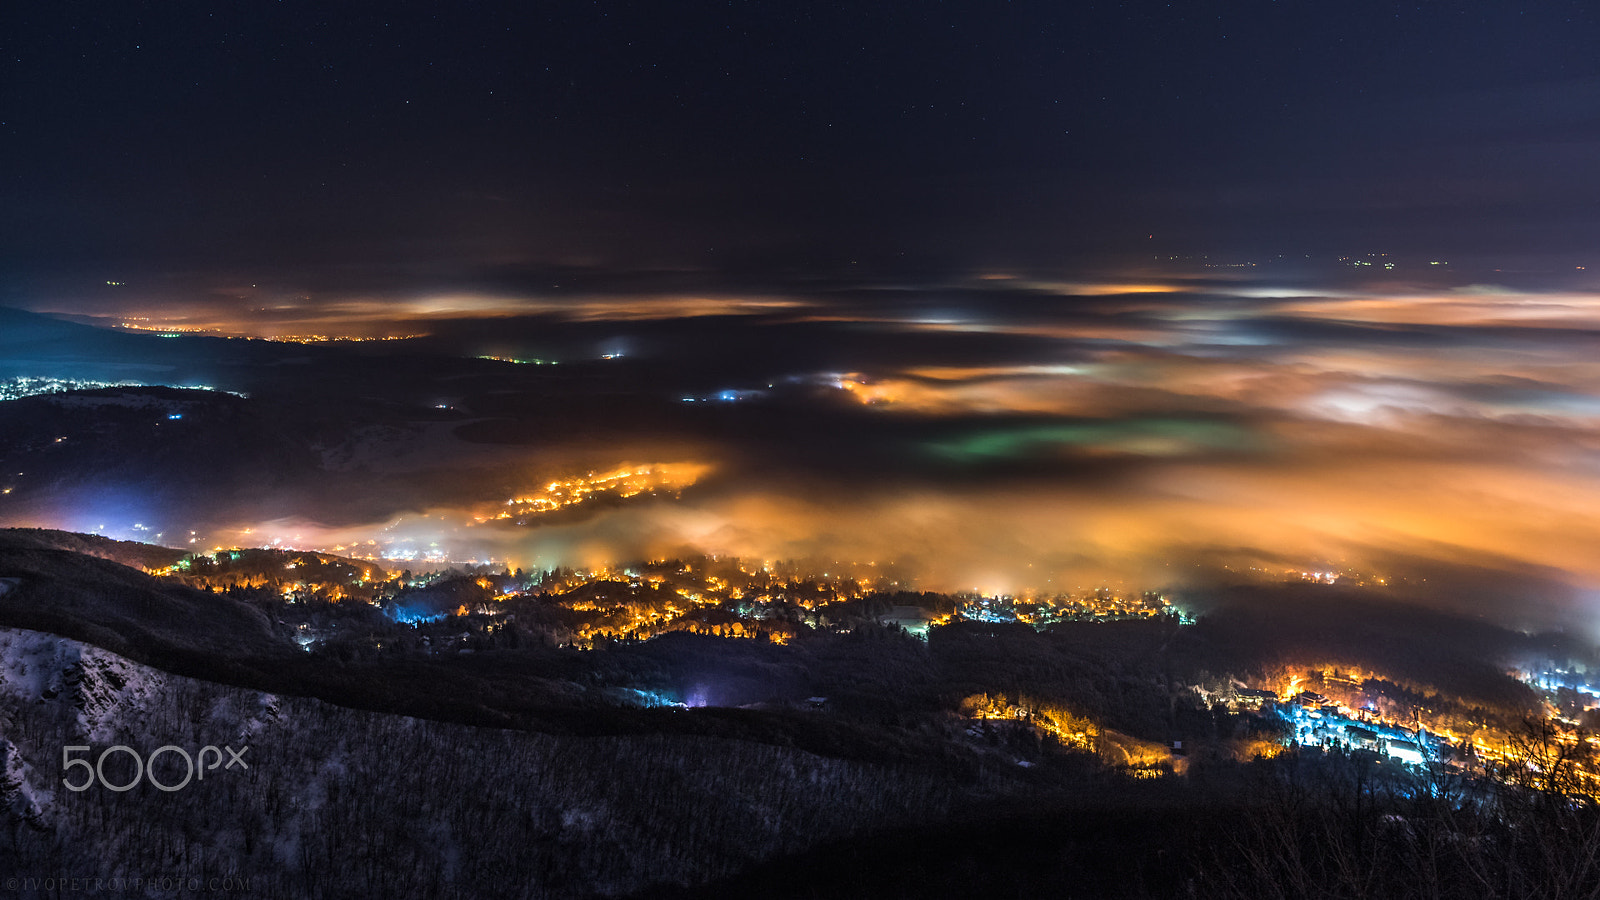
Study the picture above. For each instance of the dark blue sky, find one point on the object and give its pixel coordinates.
(374, 141)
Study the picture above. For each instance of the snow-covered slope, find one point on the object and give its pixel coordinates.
(341, 802)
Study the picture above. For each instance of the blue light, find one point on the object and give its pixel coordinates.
(406, 615)
(652, 699)
(175, 416)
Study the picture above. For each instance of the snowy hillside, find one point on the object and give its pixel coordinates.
(340, 802)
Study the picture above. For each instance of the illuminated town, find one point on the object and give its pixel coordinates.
(177, 330)
(629, 481)
(26, 386)
(724, 597)
(1338, 709)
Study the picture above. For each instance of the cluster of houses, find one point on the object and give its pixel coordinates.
(1317, 722)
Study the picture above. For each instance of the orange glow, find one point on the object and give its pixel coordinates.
(1470, 442)
(314, 320)
(628, 481)
(1478, 306)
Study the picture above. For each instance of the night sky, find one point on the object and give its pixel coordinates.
(371, 147)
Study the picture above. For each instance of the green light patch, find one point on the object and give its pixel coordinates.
(1132, 437)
